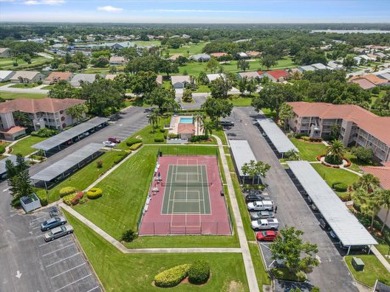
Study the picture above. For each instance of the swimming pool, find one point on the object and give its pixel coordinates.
(186, 120)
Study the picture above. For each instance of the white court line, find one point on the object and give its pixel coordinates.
(57, 262)
(54, 251)
(74, 282)
(93, 289)
(68, 270)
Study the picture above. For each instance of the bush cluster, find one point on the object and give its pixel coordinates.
(345, 197)
(340, 187)
(68, 199)
(199, 138)
(173, 136)
(135, 146)
(199, 272)
(159, 138)
(120, 157)
(44, 133)
(171, 277)
(2, 149)
(94, 193)
(332, 159)
(132, 141)
(78, 196)
(67, 191)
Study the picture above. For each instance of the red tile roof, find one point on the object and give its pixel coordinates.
(277, 74)
(369, 122)
(363, 83)
(186, 129)
(57, 76)
(219, 54)
(14, 130)
(381, 172)
(370, 78)
(48, 105)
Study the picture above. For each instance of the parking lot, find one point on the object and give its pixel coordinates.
(293, 210)
(63, 262)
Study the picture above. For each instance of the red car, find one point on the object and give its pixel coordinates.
(266, 235)
(114, 140)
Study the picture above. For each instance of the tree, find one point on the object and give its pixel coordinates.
(243, 65)
(164, 99)
(268, 61)
(286, 112)
(101, 62)
(217, 108)
(385, 203)
(62, 89)
(251, 86)
(364, 155)
(144, 83)
(153, 119)
(367, 182)
(242, 84)
(369, 202)
(22, 119)
(335, 152)
(220, 87)
(349, 62)
(212, 65)
(255, 169)
(80, 59)
(202, 78)
(297, 255)
(77, 112)
(19, 178)
(187, 95)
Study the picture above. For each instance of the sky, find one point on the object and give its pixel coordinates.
(199, 11)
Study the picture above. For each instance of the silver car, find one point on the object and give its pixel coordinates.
(261, 215)
(58, 232)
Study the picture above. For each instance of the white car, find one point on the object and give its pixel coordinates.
(265, 224)
(109, 144)
(261, 205)
(58, 232)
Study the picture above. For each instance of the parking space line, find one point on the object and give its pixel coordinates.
(74, 282)
(46, 243)
(54, 251)
(36, 227)
(36, 219)
(68, 270)
(52, 264)
(97, 287)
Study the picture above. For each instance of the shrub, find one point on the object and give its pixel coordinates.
(132, 141)
(162, 130)
(173, 136)
(44, 133)
(43, 199)
(340, 187)
(159, 138)
(67, 191)
(2, 149)
(129, 235)
(199, 138)
(99, 163)
(135, 146)
(94, 193)
(298, 135)
(199, 272)
(171, 277)
(77, 198)
(345, 197)
(68, 199)
(332, 159)
(364, 155)
(120, 157)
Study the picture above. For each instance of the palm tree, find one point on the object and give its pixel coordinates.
(285, 113)
(385, 203)
(335, 152)
(77, 112)
(367, 182)
(153, 119)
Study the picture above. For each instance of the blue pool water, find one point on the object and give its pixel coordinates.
(186, 120)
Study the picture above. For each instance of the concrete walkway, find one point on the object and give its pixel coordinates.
(249, 268)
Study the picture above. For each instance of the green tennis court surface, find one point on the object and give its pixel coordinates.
(186, 190)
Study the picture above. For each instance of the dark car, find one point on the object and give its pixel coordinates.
(114, 140)
(52, 223)
(227, 123)
(54, 212)
(262, 214)
(253, 198)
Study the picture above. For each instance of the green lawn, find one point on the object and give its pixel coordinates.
(309, 150)
(147, 43)
(7, 63)
(187, 50)
(202, 88)
(333, 175)
(384, 249)
(373, 269)
(135, 272)
(24, 146)
(13, 95)
(24, 85)
(261, 275)
(85, 176)
(241, 101)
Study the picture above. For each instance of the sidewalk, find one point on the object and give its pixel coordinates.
(249, 268)
(381, 258)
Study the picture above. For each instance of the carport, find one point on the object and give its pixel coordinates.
(65, 167)
(343, 223)
(242, 153)
(275, 136)
(63, 139)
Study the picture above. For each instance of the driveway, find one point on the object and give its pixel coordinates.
(8, 88)
(199, 99)
(332, 273)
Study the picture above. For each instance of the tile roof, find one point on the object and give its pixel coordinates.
(117, 59)
(218, 54)
(180, 79)
(186, 129)
(2, 50)
(82, 77)
(56, 76)
(367, 121)
(48, 105)
(14, 130)
(253, 53)
(25, 74)
(363, 83)
(277, 74)
(381, 172)
(249, 75)
(371, 78)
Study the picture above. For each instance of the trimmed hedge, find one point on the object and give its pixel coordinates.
(199, 138)
(199, 272)
(132, 141)
(159, 138)
(120, 157)
(171, 277)
(69, 199)
(340, 187)
(94, 193)
(44, 133)
(67, 191)
(77, 198)
(135, 146)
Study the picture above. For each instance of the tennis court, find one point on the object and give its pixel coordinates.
(186, 197)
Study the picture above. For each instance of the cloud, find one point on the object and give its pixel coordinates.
(109, 8)
(7, 0)
(44, 2)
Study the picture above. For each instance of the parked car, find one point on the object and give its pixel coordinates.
(262, 214)
(266, 235)
(52, 222)
(114, 140)
(54, 212)
(265, 224)
(109, 144)
(261, 205)
(253, 198)
(227, 123)
(58, 232)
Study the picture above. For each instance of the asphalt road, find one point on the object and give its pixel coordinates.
(332, 273)
(41, 267)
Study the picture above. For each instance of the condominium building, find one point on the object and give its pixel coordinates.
(357, 125)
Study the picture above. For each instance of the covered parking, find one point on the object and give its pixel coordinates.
(68, 137)
(343, 223)
(58, 171)
(242, 153)
(278, 141)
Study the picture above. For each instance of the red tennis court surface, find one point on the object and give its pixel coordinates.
(185, 198)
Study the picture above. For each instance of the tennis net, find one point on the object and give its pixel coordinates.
(186, 184)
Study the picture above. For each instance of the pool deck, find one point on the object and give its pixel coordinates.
(175, 121)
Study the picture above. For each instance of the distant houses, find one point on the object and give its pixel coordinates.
(249, 75)
(26, 77)
(277, 75)
(5, 53)
(55, 77)
(117, 60)
(369, 81)
(80, 78)
(200, 57)
(5, 75)
(179, 82)
(212, 77)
